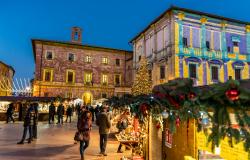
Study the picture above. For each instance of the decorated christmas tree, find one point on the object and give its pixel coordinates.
(142, 84)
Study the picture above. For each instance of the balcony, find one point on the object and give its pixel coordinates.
(197, 52)
(212, 54)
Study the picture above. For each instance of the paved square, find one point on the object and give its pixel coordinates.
(55, 142)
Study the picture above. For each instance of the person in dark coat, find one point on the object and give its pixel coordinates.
(52, 112)
(84, 125)
(60, 113)
(27, 124)
(92, 110)
(104, 123)
(9, 113)
(35, 105)
(97, 110)
(69, 112)
(78, 108)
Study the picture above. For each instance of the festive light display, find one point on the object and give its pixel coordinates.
(142, 83)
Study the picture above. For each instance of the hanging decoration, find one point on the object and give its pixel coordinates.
(178, 121)
(232, 94)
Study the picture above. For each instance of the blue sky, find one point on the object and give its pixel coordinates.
(109, 23)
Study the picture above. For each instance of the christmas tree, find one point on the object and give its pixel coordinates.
(142, 84)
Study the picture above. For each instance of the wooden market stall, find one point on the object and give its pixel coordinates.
(188, 143)
(20, 104)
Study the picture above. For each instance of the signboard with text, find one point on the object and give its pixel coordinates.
(168, 138)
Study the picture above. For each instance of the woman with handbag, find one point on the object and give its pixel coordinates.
(84, 126)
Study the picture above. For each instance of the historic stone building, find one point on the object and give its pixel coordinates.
(74, 70)
(190, 44)
(6, 78)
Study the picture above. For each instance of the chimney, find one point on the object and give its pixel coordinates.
(76, 35)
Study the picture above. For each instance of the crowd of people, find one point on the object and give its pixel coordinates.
(86, 117)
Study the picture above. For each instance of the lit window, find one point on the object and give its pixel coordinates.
(70, 77)
(162, 72)
(104, 79)
(192, 71)
(88, 59)
(215, 73)
(71, 57)
(49, 55)
(104, 60)
(88, 78)
(117, 62)
(117, 79)
(47, 75)
(185, 42)
(237, 73)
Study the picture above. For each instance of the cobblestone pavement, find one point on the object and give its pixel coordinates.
(55, 142)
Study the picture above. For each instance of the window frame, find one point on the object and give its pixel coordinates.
(104, 94)
(46, 53)
(67, 76)
(189, 75)
(102, 79)
(119, 77)
(240, 74)
(74, 57)
(218, 73)
(208, 45)
(162, 74)
(51, 71)
(105, 60)
(184, 39)
(88, 59)
(118, 64)
(85, 77)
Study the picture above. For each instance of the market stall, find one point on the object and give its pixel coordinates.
(20, 103)
(184, 121)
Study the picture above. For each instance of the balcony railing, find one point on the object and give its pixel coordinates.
(212, 54)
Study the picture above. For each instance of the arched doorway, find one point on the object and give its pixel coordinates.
(87, 98)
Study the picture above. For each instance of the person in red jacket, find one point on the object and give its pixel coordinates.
(84, 125)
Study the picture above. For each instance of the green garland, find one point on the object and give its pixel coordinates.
(183, 101)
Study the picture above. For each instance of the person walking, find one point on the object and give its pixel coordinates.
(9, 113)
(69, 112)
(97, 111)
(104, 123)
(27, 125)
(84, 126)
(60, 113)
(92, 110)
(52, 112)
(35, 121)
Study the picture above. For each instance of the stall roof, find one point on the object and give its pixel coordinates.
(30, 99)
